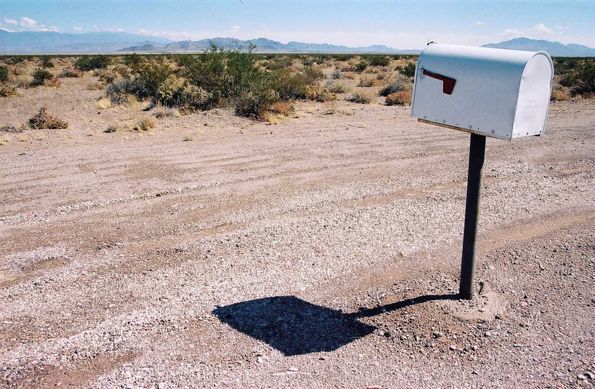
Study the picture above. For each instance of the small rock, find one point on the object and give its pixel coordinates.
(437, 334)
(161, 385)
(488, 334)
(590, 375)
(453, 347)
(581, 377)
(292, 369)
(259, 360)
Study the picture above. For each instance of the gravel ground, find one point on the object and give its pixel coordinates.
(320, 252)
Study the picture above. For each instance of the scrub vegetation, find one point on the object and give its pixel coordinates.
(251, 85)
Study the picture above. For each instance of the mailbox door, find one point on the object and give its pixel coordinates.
(534, 96)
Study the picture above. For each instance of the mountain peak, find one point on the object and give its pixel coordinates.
(556, 49)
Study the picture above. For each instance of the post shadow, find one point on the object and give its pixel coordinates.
(296, 327)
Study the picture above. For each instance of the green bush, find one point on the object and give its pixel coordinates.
(580, 77)
(3, 74)
(92, 62)
(208, 72)
(40, 76)
(379, 60)
(149, 78)
(361, 66)
(290, 85)
(257, 99)
(133, 60)
(408, 70)
(46, 62)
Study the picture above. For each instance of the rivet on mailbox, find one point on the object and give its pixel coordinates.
(499, 93)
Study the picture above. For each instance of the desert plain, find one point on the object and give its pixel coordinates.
(321, 249)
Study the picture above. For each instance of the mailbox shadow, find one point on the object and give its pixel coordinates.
(295, 327)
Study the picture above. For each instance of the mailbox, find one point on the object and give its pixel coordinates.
(492, 92)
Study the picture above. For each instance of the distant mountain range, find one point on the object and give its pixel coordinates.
(262, 45)
(555, 49)
(46, 42)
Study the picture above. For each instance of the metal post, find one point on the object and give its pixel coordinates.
(476, 158)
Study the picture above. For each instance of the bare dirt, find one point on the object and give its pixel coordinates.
(320, 252)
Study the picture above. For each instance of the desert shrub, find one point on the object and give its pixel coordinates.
(111, 129)
(581, 78)
(149, 78)
(336, 88)
(312, 74)
(145, 125)
(163, 112)
(70, 73)
(15, 59)
(208, 72)
(284, 108)
(46, 62)
(365, 82)
(408, 70)
(289, 85)
(95, 85)
(7, 90)
(44, 120)
(254, 104)
(40, 76)
(256, 99)
(132, 60)
(92, 62)
(337, 75)
(399, 98)
(379, 60)
(361, 66)
(12, 129)
(394, 86)
(279, 62)
(176, 92)
(119, 90)
(359, 98)
(560, 95)
(3, 74)
(318, 93)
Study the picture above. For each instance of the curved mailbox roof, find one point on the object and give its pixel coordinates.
(493, 92)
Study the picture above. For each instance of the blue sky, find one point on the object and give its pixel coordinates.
(400, 24)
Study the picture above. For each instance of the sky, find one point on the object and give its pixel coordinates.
(395, 23)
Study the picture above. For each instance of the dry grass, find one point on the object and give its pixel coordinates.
(103, 103)
(399, 98)
(44, 120)
(560, 95)
(111, 129)
(320, 94)
(360, 97)
(146, 124)
(163, 112)
(282, 108)
(95, 85)
(7, 90)
(70, 72)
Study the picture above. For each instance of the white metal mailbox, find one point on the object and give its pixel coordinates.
(492, 92)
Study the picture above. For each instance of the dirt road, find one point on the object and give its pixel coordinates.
(320, 252)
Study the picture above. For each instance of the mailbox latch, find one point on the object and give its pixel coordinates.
(448, 84)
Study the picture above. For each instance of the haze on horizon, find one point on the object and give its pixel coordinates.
(396, 23)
